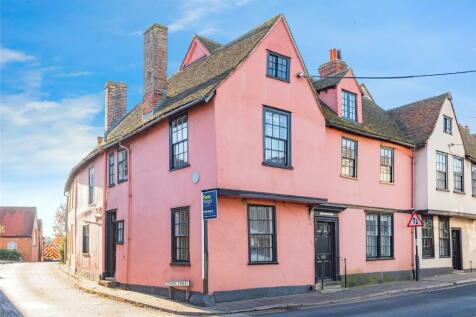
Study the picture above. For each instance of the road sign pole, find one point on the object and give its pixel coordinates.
(417, 258)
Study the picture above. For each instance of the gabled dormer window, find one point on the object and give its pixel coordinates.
(447, 125)
(278, 66)
(349, 106)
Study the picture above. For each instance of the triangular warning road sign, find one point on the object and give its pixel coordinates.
(415, 221)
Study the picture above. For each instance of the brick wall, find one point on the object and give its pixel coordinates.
(25, 246)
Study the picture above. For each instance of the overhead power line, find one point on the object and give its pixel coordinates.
(401, 77)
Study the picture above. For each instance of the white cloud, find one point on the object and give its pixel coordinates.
(75, 74)
(195, 11)
(8, 55)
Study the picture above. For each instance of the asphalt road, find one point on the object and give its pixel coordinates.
(451, 302)
(42, 289)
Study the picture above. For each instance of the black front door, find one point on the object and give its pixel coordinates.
(325, 250)
(110, 244)
(456, 249)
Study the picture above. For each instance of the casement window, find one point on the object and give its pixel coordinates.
(112, 179)
(277, 137)
(179, 142)
(473, 178)
(278, 66)
(91, 185)
(349, 157)
(386, 164)
(441, 171)
(121, 166)
(458, 174)
(427, 237)
(262, 234)
(349, 106)
(379, 228)
(447, 125)
(120, 232)
(180, 235)
(11, 245)
(86, 239)
(444, 226)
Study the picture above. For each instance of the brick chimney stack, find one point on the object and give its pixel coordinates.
(155, 66)
(334, 65)
(116, 100)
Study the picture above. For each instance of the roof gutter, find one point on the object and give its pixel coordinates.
(333, 125)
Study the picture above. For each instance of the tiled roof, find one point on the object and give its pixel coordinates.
(211, 45)
(417, 119)
(17, 221)
(469, 142)
(377, 123)
(329, 81)
(196, 82)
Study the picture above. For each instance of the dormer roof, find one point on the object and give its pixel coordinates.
(210, 45)
(329, 82)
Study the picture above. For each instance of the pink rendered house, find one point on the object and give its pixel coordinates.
(313, 179)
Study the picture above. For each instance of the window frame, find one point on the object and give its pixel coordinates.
(446, 220)
(174, 254)
(274, 239)
(85, 246)
(356, 154)
(379, 237)
(111, 175)
(91, 194)
(445, 155)
(445, 126)
(288, 157)
(172, 166)
(392, 166)
(458, 174)
(429, 236)
(120, 238)
(473, 178)
(126, 167)
(343, 92)
(278, 56)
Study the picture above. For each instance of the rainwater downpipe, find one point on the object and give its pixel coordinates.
(104, 197)
(129, 207)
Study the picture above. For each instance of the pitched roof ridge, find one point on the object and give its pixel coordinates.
(413, 103)
(201, 37)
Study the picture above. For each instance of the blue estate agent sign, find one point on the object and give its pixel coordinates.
(209, 204)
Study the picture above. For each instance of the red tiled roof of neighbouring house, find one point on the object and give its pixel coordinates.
(17, 221)
(469, 142)
(417, 119)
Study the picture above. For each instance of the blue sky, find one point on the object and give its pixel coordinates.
(57, 55)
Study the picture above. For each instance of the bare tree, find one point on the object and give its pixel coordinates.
(60, 221)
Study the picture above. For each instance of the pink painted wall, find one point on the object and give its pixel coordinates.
(196, 51)
(228, 248)
(329, 97)
(155, 191)
(89, 214)
(239, 118)
(352, 244)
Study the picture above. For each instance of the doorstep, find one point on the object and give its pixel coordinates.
(307, 300)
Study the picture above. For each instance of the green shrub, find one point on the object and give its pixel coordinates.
(10, 255)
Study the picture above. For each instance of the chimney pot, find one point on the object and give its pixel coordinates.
(115, 103)
(334, 65)
(155, 66)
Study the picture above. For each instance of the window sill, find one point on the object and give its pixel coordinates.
(349, 177)
(277, 78)
(445, 256)
(112, 185)
(86, 255)
(443, 190)
(458, 192)
(179, 263)
(474, 195)
(179, 168)
(278, 166)
(387, 183)
(380, 259)
(263, 263)
(428, 257)
(122, 181)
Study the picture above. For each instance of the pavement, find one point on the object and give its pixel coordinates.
(47, 289)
